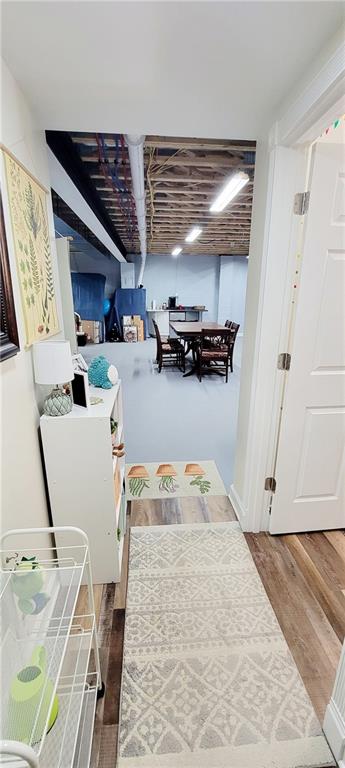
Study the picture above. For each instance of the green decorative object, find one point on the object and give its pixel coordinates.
(57, 403)
(27, 580)
(31, 696)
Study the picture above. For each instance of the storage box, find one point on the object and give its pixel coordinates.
(91, 328)
(131, 320)
(130, 333)
(141, 331)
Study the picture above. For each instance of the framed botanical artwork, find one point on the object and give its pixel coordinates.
(9, 343)
(27, 201)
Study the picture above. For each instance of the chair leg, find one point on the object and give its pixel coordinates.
(227, 372)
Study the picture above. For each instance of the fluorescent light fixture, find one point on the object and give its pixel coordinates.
(176, 251)
(231, 189)
(194, 233)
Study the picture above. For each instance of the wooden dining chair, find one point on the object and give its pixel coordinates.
(214, 352)
(170, 351)
(234, 328)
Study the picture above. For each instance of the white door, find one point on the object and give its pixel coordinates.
(311, 451)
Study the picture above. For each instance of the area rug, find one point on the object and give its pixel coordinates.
(208, 679)
(176, 478)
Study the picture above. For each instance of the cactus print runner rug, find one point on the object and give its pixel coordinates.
(176, 478)
(208, 679)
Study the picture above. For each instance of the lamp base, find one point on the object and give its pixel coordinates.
(57, 403)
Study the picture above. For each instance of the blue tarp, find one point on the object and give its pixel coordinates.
(128, 301)
(88, 295)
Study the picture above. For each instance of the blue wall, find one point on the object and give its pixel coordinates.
(194, 279)
(219, 282)
(232, 289)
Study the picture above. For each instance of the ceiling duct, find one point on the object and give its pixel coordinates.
(136, 159)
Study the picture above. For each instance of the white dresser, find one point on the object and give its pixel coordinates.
(85, 481)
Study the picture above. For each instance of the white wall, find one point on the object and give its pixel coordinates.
(279, 173)
(255, 276)
(23, 502)
(232, 289)
(195, 280)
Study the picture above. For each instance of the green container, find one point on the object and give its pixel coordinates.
(27, 579)
(31, 696)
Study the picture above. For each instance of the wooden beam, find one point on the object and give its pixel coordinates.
(167, 142)
(192, 179)
(196, 161)
(170, 142)
(209, 161)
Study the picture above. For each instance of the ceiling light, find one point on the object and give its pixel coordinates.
(176, 251)
(230, 190)
(194, 233)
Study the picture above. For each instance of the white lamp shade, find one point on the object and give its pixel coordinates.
(53, 362)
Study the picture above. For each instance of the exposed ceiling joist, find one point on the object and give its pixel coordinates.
(182, 178)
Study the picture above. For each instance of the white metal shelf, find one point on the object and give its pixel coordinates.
(60, 743)
(62, 640)
(84, 741)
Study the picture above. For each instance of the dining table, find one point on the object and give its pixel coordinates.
(191, 333)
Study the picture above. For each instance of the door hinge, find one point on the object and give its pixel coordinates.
(270, 484)
(301, 203)
(284, 361)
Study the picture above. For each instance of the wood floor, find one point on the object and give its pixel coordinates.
(304, 576)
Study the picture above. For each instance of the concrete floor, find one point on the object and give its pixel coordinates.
(169, 418)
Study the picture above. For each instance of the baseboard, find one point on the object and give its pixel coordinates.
(334, 729)
(237, 505)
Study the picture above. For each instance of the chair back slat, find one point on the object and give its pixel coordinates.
(158, 336)
(234, 328)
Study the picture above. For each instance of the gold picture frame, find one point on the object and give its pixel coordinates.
(27, 200)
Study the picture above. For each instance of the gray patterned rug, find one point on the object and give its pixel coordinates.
(208, 679)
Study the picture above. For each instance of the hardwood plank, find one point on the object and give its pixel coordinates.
(113, 682)
(327, 560)
(189, 509)
(83, 608)
(311, 639)
(220, 509)
(146, 512)
(193, 510)
(337, 539)
(332, 603)
(104, 636)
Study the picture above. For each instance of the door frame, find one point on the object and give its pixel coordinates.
(290, 138)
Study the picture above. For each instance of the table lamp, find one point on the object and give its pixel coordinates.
(53, 365)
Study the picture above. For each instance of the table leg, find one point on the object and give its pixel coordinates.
(191, 346)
